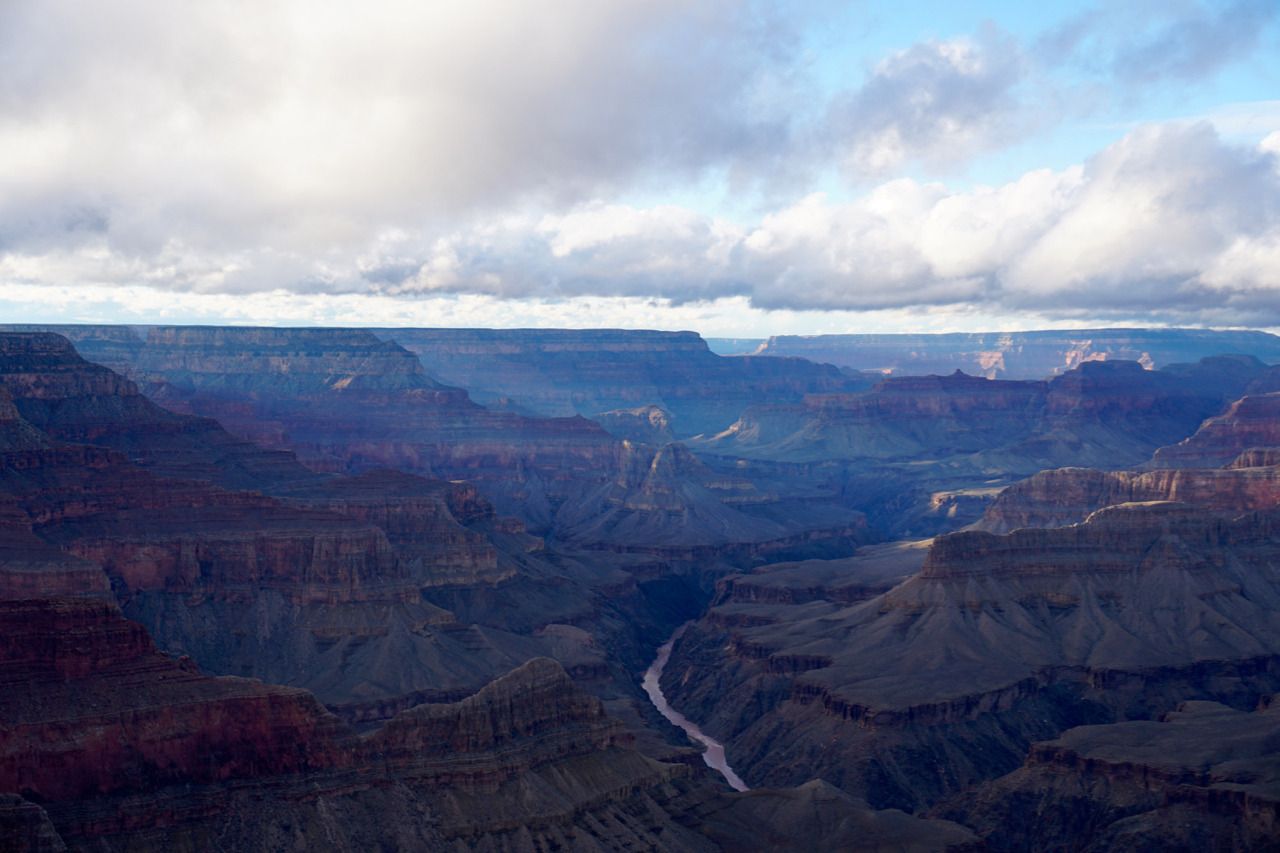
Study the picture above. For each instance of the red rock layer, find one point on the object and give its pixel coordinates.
(1252, 421)
(72, 400)
(424, 522)
(1068, 495)
(91, 708)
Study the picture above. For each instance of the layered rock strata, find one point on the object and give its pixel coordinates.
(1203, 777)
(1020, 355)
(1069, 495)
(1108, 414)
(561, 372)
(110, 745)
(1252, 421)
(946, 679)
(344, 400)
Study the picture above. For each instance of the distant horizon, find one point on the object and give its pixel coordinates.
(144, 324)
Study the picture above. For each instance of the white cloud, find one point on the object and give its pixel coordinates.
(231, 154)
(1169, 222)
(937, 103)
(297, 124)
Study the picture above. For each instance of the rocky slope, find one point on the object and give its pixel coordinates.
(925, 455)
(479, 680)
(125, 748)
(375, 591)
(562, 372)
(74, 400)
(1100, 413)
(945, 679)
(1020, 355)
(110, 745)
(1068, 495)
(1252, 421)
(320, 588)
(344, 400)
(1203, 777)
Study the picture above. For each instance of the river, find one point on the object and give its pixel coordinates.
(714, 754)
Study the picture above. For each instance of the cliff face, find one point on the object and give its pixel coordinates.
(323, 584)
(1250, 422)
(1203, 777)
(91, 709)
(1068, 495)
(998, 641)
(437, 528)
(319, 587)
(1021, 355)
(562, 372)
(127, 749)
(1104, 413)
(151, 533)
(665, 497)
(898, 419)
(344, 400)
(73, 400)
(110, 745)
(643, 425)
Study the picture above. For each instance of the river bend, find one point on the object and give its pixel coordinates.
(714, 754)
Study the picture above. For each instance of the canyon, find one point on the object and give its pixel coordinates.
(1019, 355)
(497, 589)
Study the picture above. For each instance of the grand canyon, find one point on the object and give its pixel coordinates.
(269, 588)
(642, 425)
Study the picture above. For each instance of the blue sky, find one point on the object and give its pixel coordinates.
(739, 168)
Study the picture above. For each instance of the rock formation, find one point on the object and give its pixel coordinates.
(1102, 413)
(1020, 355)
(562, 372)
(1252, 421)
(428, 671)
(110, 745)
(1202, 777)
(1068, 495)
(945, 679)
(345, 401)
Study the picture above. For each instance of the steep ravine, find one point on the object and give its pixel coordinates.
(714, 755)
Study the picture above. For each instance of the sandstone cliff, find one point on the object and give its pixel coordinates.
(1068, 495)
(1252, 421)
(999, 640)
(1021, 355)
(560, 372)
(1104, 414)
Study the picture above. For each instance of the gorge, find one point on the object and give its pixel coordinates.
(714, 753)
(286, 587)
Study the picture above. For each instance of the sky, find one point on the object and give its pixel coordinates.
(737, 168)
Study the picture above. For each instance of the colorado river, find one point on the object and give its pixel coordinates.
(714, 755)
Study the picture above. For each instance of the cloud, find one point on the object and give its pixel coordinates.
(294, 124)
(937, 103)
(1168, 222)
(240, 152)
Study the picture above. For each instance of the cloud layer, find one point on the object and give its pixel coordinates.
(228, 151)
